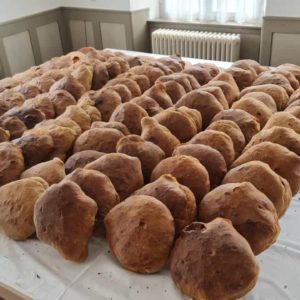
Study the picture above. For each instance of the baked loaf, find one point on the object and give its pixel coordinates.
(81, 159)
(233, 131)
(294, 110)
(158, 92)
(64, 218)
(143, 242)
(213, 261)
(251, 212)
(178, 198)
(247, 123)
(98, 187)
(51, 171)
(242, 77)
(148, 153)
(14, 125)
(153, 132)
(112, 125)
(276, 188)
(148, 104)
(217, 140)
(98, 139)
(218, 93)
(281, 160)
(263, 98)
(187, 170)
(284, 119)
(11, 163)
(17, 201)
(124, 171)
(178, 122)
(210, 158)
(175, 90)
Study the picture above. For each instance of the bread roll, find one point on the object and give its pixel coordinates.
(294, 110)
(218, 93)
(129, 114)
(98, 139)
(248, 64)
(281, 160)
(153, 132)
(263, 98)
(148, 104)
(98, 187)
(251, 212)
(201, 74)
(17, 201)
(124, 171)
(131, 84)
(111, 125)
(233, 131)
(258, 173)
(4, 135)
(61, 99)
(64, 218)
(247, 123)
(42, 103)
(213, 261)
(123, 91)
(158, 92)
(175, 90)
(148, 153)
(242, 77)
(217, 140)
(187, 170)
(194, 114)
(142, 244)
(14, 125)
(284, 119)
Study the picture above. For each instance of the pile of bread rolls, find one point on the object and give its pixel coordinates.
(176, 165)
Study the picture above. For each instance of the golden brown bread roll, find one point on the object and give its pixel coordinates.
(174, 90)
(10, 99)
(148, 104)
(123, 91)
(277, 92)
(98, 139)
(294, 69)
(83, 72)
(178, 198)
(248, 64)
(78, 115)
(211, 68)
(180, 78)
(61, 99)
(81, 159)
(187, 170)
(276, 188)
(175, 63)
(148, 153)
(28, 90)
(65, 201)
(233, 131)
(294, 97)
(98, 187)
(217, 140)
(17, 201)
(129, 114)
(43, 82)
(158, 92)
(201, 74)
(276, 79)
(247, 123)
(11, 164)
(255, 108)
(194, 114)
(242, 77)
(213, 261)
(71, 85)
(112, 125)
(142, 80)
(35, 147)
(143, 243)
(284, 119)
(281, 160)
(284, 136)
(42, 103)
(263, 98)
(227, 77)
(4, 135)
(218, 93)
(52, 171)
(210, 158)
(288, 75)
(14, 125)
(152, 72)
(251, 212)
(124, 171)
(294, 110)
(92, 111)
(8, 83)
(229, 92)
(178, 122)
(204, 102)
(158, 134)
(131, 84)
(100, 76)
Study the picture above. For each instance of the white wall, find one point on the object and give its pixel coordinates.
(103, 4)
(13, 9)
(152, 4)
(283, 8)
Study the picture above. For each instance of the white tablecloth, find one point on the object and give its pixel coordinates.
(37, 270)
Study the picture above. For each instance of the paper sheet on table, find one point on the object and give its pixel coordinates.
(37, 270)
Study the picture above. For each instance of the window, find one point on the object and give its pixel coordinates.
(221, 11)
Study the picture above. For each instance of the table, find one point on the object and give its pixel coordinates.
(38, 272)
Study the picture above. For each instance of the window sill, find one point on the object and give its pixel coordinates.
(212, 24)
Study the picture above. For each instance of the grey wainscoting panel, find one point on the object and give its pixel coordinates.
(140, 30)
(78, 34)
(49, 41)
(113, 35)
(250, 35)
(19, 52)
(90, 37)
(280, 41)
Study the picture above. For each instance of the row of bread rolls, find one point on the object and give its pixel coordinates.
(145, 126)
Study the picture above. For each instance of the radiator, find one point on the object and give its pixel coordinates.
(196, 44)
